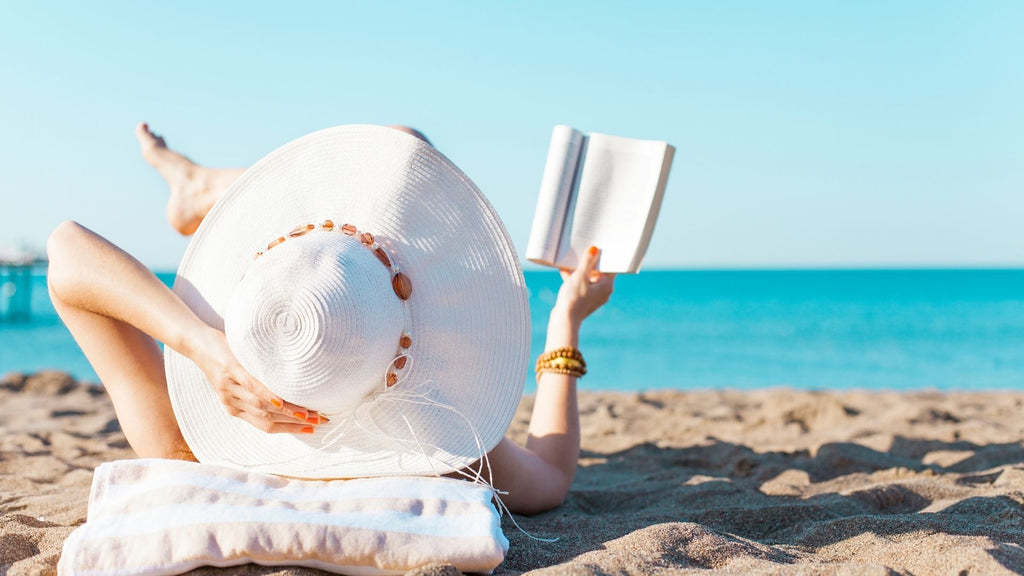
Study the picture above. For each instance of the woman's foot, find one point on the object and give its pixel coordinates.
(194, 188)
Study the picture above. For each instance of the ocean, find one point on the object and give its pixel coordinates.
(808, 329)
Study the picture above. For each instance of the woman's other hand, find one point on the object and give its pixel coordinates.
(246, 397)
(583, 290)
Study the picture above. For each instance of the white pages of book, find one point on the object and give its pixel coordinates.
(598, 190)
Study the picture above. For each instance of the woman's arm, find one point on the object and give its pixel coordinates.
(537, 477)
(90, 274)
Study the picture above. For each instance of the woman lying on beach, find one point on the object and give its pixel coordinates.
(117, 310)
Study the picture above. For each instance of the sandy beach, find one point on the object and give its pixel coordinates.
(707, 482)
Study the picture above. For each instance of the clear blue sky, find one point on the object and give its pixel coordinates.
(816, 133)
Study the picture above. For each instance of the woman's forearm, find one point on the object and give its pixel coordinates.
(88, 272)
(554, 427)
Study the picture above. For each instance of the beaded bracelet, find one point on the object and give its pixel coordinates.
(566, 360)
(563, 352)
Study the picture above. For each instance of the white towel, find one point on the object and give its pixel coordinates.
(157, 517)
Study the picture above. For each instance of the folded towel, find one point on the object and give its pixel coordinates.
(157, 517)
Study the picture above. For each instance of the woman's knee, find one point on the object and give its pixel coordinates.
(65, 235)
(411, 131)
(61, 247)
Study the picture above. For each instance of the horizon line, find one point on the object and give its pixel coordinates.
(783, 268)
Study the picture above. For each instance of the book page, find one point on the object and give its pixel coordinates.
(620, 182)
(556, 188)
(652, 217)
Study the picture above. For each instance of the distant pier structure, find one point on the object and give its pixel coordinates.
(17, 267)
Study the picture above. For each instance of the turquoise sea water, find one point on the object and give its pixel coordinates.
(879, 329)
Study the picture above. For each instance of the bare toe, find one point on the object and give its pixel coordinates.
(148, 141)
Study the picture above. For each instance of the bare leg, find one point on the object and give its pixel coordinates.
(128, 362)
(194, 188)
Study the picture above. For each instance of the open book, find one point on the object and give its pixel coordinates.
(598, 190)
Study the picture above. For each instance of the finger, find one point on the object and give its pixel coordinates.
(589, 262)
(277, 404)
(264, 421)
(250, 408)
(605, 280)
(301, 413)
(287, 412)
(604, 285)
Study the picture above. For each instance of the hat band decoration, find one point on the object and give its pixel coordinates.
(400, 282)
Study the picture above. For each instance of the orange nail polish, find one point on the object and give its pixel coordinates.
(313, 419)
(307, 430)
(593, 250)
(276, 402)
(301, 415)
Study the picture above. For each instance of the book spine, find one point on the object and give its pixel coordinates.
(553, 202)
(566, 257)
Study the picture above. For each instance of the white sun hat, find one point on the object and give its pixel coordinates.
(356, 271)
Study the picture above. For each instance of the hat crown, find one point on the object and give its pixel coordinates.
(316, 321)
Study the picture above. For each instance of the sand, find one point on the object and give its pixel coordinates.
(709, 482)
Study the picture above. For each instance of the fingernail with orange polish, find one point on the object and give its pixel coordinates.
(593, 250)
(276, 402)
(313, 419)
(301, 415)
(307, 430)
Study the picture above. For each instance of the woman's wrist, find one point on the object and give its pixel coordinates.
(563, 330)
(193, 340)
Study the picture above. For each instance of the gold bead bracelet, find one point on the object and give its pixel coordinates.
(566, 360)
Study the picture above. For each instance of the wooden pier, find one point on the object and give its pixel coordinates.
(16, 271)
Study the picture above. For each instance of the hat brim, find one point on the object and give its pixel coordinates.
(469, 310)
